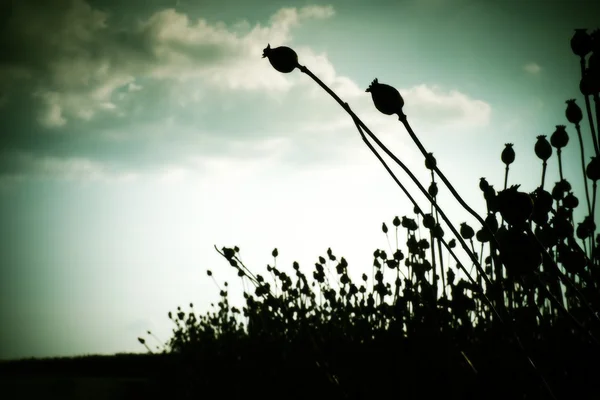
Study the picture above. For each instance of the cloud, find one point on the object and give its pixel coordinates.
(93, 99)
(532, 68)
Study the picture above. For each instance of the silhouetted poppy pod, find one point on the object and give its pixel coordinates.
(586, 228)
(430, 162)
(386, 98)
(559, 138)
(508, 154)
(593, 169)
(466, 231)
(570, 201)
(428, 221)
(492, 222)
(542, 148)
(483, 185)
(573, 113)
(282, 58)
(514, 206)
(483, 236)
(433, 189)
(581, 43)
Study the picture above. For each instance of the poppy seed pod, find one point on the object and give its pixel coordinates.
(282, 58)
(559, 138)
(483, 185)
(466, 231)
(573, 112)
(428, 221)
(593, 169)
(433, 189)
(483, 235)
(430, 162)
(508, 154)
(542, 148)
(570, 201)
(492, 222)
(386, 98)
(514, 206)
(581, 43)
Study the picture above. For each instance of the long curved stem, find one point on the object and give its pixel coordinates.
(589, 110)
(441, 240)
(446, 181)
(397, 161)
(358, 122)
(597, 106)
(585, 185)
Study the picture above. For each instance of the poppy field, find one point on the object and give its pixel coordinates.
(520, 320)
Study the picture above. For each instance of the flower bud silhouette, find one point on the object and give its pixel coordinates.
(593, 169)
(508, 154)
(573, 112)
(430, 162)
(559, 138)
(386, 99)
(581, 43)
(282, 58)
(542, 148)
(466, 231)
(514, 206)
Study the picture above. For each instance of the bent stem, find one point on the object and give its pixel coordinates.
(447, 182)
(441, 240)
(597, 106)
(585, 185)
(510, 324)
(588, 109)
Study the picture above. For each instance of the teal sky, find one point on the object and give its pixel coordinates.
(136, 135)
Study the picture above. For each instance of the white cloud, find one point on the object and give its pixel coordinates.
(451, 108)
(532, 68)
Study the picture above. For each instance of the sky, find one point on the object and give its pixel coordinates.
(137, 135)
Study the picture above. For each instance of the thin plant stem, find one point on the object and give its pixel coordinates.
(560, 171)
(585, 185)
(506, 177)
(544, 165)
(359, 123)
(593, 243)
(597, 107)
(589, 110)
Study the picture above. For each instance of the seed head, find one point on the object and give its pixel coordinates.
(508, 154)
(282, 58)
(573, 112)
(542, 148)
(386, 99)
(559, 138)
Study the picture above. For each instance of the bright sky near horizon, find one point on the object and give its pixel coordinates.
(136, 135)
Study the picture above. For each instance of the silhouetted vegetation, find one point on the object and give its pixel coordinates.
(521, 321)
